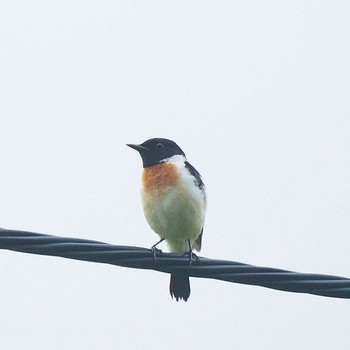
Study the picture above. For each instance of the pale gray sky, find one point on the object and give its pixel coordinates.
(257, 95)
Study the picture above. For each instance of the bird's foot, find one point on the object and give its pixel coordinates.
(156, 251)
(191, 256)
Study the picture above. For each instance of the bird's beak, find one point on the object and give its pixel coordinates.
(138, 148)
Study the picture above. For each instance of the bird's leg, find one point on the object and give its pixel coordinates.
(191, 256)
(155, 250)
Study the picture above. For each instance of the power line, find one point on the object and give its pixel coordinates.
(142, 258)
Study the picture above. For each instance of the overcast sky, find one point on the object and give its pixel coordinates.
(257, 95)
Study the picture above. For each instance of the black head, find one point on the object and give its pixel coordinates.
(154, 151)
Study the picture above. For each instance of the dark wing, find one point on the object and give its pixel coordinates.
(198, 179)
(197, 244)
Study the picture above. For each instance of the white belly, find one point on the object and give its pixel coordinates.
(176, 215)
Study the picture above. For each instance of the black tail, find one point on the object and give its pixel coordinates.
(180, 287)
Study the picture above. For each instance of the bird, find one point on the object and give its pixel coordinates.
(174, 202)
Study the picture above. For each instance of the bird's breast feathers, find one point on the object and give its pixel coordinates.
(174, 204)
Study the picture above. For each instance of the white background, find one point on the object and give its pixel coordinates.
(255, 92)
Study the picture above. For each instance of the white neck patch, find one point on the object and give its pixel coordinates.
(177, 158)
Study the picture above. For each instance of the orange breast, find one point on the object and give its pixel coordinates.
(159, 177)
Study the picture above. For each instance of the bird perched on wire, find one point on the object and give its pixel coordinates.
(174, 202)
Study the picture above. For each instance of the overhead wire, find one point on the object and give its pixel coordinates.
(143, 258)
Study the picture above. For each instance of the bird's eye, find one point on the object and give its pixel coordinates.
(159, 146)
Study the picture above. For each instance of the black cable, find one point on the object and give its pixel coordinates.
(142, 258)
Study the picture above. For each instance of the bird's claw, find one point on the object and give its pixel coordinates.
(154, 252)
(191, 256)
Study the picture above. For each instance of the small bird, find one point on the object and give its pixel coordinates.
(174, 202)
